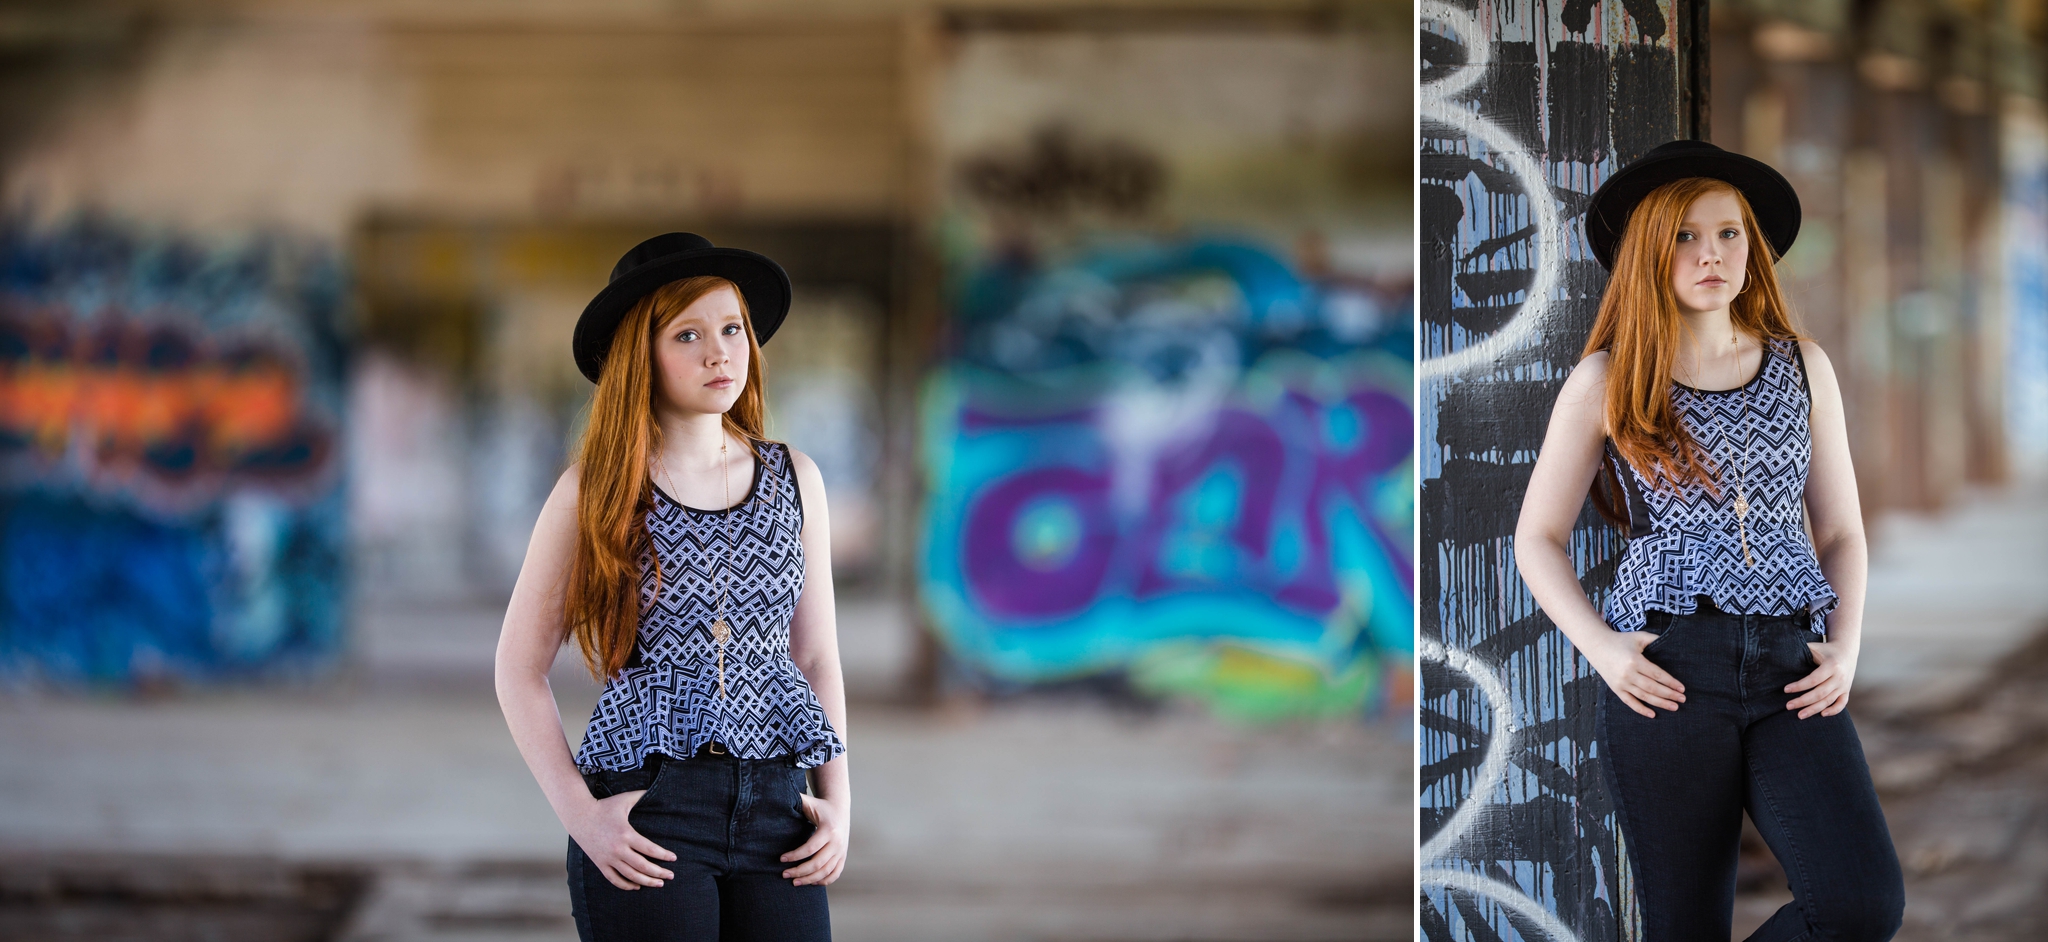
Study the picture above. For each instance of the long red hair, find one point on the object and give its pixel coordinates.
(1639, 324)
(614, 491)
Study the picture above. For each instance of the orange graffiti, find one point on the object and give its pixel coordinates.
(129, 394)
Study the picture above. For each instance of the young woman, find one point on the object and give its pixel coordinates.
(1729, 639)
(688, 558)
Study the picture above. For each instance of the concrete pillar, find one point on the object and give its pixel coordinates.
(1525, 109)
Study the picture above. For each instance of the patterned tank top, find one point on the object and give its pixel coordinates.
(666, 699)
(1684, 543)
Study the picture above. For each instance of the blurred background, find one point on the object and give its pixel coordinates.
(1915, 134)
(1101, 338)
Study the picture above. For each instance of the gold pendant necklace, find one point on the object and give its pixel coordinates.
(1741, 525)
(1742, 471)
(720, 628)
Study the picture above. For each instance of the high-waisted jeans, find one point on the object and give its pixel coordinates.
(1681, 782)
(728, 821)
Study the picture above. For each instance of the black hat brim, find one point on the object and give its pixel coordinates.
(1770, 195)
(763, 284)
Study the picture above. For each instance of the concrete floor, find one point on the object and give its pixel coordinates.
(1952, 596)
(1034, 820)
(1038, 820)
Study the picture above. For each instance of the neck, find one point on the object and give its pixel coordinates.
(691, 440)
(1707, 331)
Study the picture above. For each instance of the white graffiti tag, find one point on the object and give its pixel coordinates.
(1438, 101)
(1491, 775)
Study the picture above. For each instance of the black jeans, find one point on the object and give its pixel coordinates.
(728, 821)
(1680, 783)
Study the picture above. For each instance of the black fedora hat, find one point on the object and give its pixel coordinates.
(670, 257)
(1770, 196)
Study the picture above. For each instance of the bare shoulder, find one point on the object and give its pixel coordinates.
(1816, 358)
(560, 509)
(1820, 371)
(1586, 387)
(807, 475)
(1591, 373)
(566, 485)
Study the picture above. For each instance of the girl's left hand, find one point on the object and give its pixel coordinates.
(826, 848)
(1827, 688)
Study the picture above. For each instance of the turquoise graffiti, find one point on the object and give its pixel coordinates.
(170, 491)
(1184, 463)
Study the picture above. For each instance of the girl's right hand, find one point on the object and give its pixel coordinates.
(1633, 677)
(621, 853)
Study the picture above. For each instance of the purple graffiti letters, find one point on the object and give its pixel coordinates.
(1259, 454)
(1016, 582)
(1044, 543)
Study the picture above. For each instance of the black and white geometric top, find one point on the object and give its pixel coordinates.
(1683, 542)
(666, 699)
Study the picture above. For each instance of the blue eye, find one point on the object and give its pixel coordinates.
(1731, 233)
(1685, 237)
(688, 336)
(731, 329)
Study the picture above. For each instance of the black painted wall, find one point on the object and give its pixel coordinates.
(1525, 108)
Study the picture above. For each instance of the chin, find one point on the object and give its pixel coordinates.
(1707, 300)
(710, 404)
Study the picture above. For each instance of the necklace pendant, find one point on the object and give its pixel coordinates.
(719, 632)
(1741, 507)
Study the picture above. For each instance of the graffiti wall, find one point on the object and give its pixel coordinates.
(170, 495)
(1525, 109)
(1169, 438)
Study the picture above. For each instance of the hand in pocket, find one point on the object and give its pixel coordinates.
(625, 856)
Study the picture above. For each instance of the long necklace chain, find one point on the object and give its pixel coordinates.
(720, 628)
(1742, 463)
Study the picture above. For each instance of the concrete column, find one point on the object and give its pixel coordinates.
(1525, 109)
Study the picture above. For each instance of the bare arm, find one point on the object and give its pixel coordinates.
(814, 646)
(1571, 455)
(533, 633)
(1838, 540)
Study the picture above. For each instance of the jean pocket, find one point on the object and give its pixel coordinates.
(797, 785)
(606, 783)
(651, 781)
(1661, 625)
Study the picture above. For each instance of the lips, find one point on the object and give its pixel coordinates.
(720, 383)
(1712, 282)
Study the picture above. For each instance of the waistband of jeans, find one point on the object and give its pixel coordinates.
(1704, 605)
(715, 751)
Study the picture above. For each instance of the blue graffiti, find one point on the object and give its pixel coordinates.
(170, 492)
(1182, 461)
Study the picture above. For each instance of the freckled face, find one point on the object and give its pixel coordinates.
(700, 357)
(1710, 259)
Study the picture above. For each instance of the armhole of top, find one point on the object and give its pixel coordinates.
(796, 487)
(1609, 478)
(1632, 500)
(1805, 383)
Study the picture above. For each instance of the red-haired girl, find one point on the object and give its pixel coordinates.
(1713, 434)
(688, 558)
